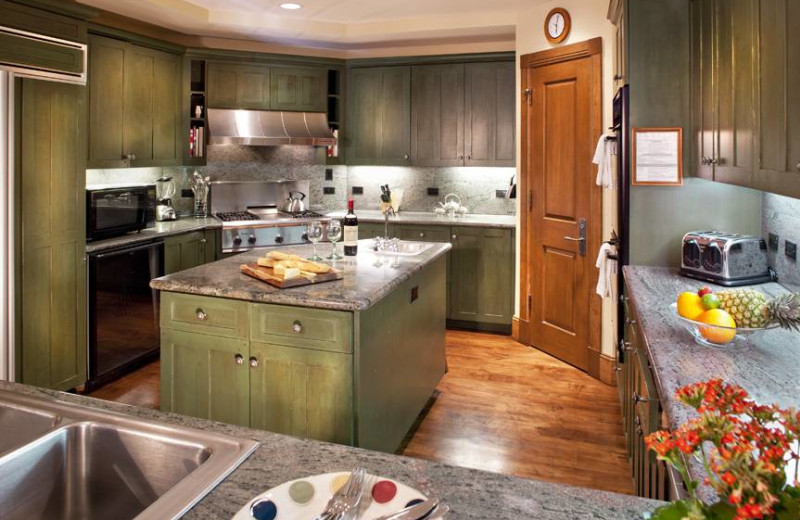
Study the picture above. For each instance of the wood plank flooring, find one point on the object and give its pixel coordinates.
(502, 407)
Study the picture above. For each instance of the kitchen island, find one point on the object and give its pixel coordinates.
(352, 361)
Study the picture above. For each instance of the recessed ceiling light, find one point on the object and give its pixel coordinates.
(291, 6)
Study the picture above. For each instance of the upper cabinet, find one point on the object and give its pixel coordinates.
(746, 107)
(379, 121)
(490, 115)
(134, 105)
(234, 85)
(617, 14)
(437, 115)
(299, 90)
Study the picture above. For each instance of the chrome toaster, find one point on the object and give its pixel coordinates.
(727, 259)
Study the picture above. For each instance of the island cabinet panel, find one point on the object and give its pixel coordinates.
(317, 329)
(437, 115)
(233, 85)
(490, 114)
(302, 392)
(482, 275)
(300, 90)
(51, 262)
(189, 250)
(372, 230)
(204, 315)
(205, 376)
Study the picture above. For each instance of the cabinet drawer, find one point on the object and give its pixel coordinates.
(299, 327)
(424, 233)
(202, 314)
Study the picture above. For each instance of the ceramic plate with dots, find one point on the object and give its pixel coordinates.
(307, 497)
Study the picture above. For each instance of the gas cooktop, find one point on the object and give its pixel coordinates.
(247, 216)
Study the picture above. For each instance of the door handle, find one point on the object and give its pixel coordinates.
(581, 238)
(573, 239)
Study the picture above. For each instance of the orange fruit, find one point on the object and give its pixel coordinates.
(716, 334)
(690, 305)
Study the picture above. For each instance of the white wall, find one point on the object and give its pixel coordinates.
(588, 21)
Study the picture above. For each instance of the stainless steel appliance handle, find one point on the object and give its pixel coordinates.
(123, 251)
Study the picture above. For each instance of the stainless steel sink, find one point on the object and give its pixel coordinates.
(95, 464)
(20, 425)
(403, 248)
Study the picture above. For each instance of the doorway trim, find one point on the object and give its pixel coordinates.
(592, 49)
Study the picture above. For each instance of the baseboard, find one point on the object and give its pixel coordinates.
(499, 328)
(602, 367)
(515, 328)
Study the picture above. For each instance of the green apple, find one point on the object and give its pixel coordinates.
(711, 301)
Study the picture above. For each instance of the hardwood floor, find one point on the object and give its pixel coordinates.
(502, 407)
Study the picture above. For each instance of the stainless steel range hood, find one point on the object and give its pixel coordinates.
(268, 128)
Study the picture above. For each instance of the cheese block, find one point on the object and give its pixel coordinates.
(287, 273)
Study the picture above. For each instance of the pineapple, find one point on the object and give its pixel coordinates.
(751, 309)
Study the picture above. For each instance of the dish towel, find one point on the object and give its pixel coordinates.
(608, 269)
(604, 156)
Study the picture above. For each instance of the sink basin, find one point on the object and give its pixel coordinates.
(405, 249)
(75, 462)
(20, 425)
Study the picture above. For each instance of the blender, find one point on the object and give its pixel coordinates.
(165, 190)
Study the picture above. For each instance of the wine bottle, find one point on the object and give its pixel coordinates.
(350, 228)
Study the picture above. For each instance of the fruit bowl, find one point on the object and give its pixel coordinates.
(716, 335)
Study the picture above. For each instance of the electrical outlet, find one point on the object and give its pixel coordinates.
(433, 192)
(500, 194)
(774, 242)
(328, 190)
(328, 174)
(358, 190)
(187, 193)
(791, 250)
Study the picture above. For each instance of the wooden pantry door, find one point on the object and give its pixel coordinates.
(561, 215)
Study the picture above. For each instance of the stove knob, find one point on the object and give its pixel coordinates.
(279, 239)
(251, 239)
(305, 237)
(237, 240)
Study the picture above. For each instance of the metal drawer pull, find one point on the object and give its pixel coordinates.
(573, 239)
(239, 359)
(297, 327)
(629, 321)
(639, 399)
(627, 346)
(201, 314)
(253, 362)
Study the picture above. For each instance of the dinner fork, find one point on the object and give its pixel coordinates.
(347, 498)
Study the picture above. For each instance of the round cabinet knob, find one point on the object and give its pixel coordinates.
(133, 157)
(279, 239)
(297, 327)
(201, 315)
(203, 241)
(239, 359)
(454, 237)
(253, 362)
(798, 166)
(405, 157)
(422, 235)
(460, 157)
(237, 240)
(251, 239)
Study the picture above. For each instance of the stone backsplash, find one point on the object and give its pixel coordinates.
(476, 186)
(781, 216)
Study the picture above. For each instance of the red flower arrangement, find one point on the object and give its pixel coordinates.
(745, 449)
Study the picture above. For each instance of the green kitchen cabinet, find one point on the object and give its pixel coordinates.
(38, 21)
(422, 233)
(51, 261)
(302, 392)
(482, 276)
(205, 376)
(490, 114)
(372, 230)
(134, 105)
(437, 115)
(242, 86)
(189, 250)
(299, 89)
(379, 116)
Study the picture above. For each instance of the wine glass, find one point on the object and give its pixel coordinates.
(334, 235)
(314, 233)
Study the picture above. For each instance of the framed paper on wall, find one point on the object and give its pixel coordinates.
(657, 156)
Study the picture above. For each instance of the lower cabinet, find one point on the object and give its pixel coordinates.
(189, 250)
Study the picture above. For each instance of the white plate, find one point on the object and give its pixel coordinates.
(291, 501)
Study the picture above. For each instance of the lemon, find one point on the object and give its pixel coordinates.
(690, 305)
(716, 334)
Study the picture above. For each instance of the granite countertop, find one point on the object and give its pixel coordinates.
(161, 230)
(431, 219)
(471, 494)
(367, 279)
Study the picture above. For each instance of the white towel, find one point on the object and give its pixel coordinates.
(608, 269)
(604, 156)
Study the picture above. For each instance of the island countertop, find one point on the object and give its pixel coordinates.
(471, 494)
(367, 278)
(432, 219)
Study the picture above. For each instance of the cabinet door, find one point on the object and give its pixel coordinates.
(371, 230)
(210, 246)
(205, 376)
(51, 295)
(185, 251)
(166, 109)
(482, 275)
(106, 108)
(423, 233)
(252, 87)
(490, 114)
(437, 115)
(221, 85)
(703, 98)
(380, 116)
(301, 90)
(302, 392)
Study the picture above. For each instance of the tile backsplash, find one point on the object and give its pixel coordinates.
(476, 186)
(781, 216)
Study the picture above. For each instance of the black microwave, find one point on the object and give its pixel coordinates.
(115, 210)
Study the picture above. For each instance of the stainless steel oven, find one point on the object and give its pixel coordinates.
(116, 210)
(123, 310)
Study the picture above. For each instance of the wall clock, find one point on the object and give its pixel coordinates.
(557, 24)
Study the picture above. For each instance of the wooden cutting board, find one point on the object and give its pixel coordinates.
(267, 274)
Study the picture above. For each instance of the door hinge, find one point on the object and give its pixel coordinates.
(528, 93)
